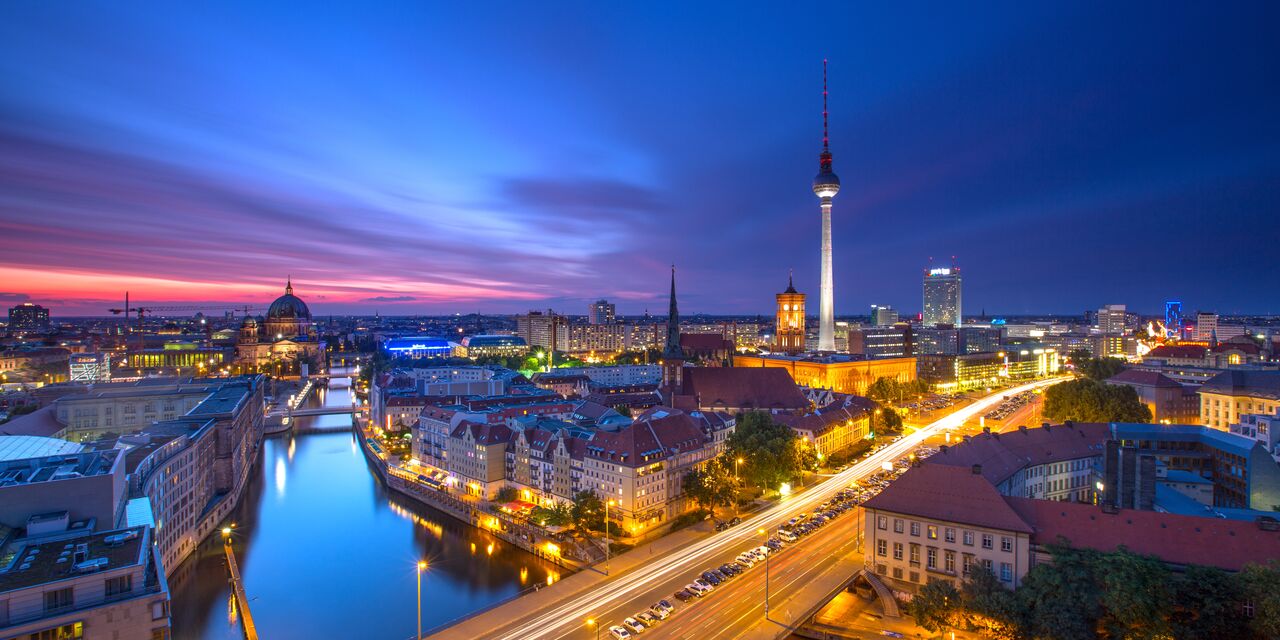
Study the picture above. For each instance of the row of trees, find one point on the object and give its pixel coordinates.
(771, 455)
(1088, 400)
(1085, 594)
(1095, 368)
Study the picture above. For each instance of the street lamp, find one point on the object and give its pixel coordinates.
(592, 624)
(737, 479)
(422, 566)
(606, 535)
(764, 534)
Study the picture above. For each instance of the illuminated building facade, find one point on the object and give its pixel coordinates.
(1111, 319)
(883, 315)
(789, 325)
(494, 345)
(942, 297)
(841, 374)
(285, 340)
(89, 367)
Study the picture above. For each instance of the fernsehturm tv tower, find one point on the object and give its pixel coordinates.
(825, 186)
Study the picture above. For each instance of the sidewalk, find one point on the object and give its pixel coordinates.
(485, 622)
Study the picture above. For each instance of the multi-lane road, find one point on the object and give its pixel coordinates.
(735, 606)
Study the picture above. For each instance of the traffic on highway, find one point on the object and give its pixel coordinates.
(651, 596)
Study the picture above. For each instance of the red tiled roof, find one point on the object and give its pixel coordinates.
(950, 494)
(743, 388)
(1004, 454)
(1176, 539)
(654, 436)
(704, 342)
(485, 434)
(820, 421)
(1183, 351)
(1144, 378)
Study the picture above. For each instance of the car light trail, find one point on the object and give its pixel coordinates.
(564, 620)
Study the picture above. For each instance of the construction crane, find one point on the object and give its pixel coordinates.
(141, 312)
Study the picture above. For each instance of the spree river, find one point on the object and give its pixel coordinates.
(327, 552)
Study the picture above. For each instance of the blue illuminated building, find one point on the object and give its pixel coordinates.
(419, 347)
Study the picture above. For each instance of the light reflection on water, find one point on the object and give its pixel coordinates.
(333, 557)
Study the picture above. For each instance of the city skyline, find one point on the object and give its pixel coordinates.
(457, 170)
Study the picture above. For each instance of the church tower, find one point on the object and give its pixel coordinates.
(673, 355)
(789, 325)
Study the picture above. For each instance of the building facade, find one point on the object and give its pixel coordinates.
(942, 297)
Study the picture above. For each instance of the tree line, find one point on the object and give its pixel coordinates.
(1085, 594)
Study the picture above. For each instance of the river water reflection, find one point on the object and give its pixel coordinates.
(327, 552)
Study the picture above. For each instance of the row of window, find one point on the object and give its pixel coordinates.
(948, 533)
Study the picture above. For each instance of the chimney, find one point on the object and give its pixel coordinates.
(986, 430)
(1044, 424)
(977, 469)
(1022, 428)
(942, 448)
(1069, 424)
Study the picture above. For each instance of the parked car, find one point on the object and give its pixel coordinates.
(619, 633)
(684, 595)
(635, 626)
(665, 607)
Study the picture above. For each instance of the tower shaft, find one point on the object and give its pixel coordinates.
(826, 292)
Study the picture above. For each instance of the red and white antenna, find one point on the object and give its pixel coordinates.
(825, 136)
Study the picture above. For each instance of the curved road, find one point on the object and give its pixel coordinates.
(567, 619)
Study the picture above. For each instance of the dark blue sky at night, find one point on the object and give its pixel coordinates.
(427, 158)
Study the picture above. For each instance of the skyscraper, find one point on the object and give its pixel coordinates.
(789, 327)
(600, 312)
(825, 186)
(942, 296)
(1111, 319)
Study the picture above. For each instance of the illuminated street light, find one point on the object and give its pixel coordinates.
(591, 623)
(422, 566)
(765, 534)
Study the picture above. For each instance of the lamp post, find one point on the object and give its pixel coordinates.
(422, 566)
(737, 480)
(764, 534)
(591, 623)
(606, 535)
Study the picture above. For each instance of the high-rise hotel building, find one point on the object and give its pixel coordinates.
(942, 296)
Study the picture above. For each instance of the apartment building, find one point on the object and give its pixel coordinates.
(83, 584)
(1053, 462)
(938, 522)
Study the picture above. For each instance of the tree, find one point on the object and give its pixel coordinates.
(1261, 586)
(1136, 594)
(1060, 600)
(1101, 369)
(711, 485)
(1087, 400)
(1206, 605)
(885, 390)
(507, 494)
(587, 511)
(936, 606)
(890, 421)
(991, 606)
(772, 452)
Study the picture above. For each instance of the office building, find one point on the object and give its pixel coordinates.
(1206, 326)
(28, 317)
(1111, 320)
(89, 367)
(895, 341)
(883, 315)
(1263, 428)
(1173, 319)
(789, 324)
(942, 297)
(600, 312)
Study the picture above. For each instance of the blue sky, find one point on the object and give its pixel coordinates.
(424, 158)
